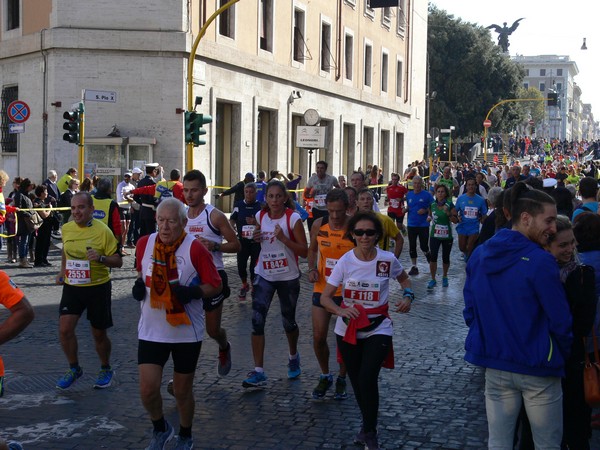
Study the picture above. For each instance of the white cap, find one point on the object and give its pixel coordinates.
(550, 182)
(127, 174)
(153, 165)
(137, 170)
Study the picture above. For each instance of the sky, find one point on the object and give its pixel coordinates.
(548, 28)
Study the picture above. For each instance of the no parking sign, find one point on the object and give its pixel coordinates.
(18, 111)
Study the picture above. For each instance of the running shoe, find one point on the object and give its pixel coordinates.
(1, 386)
(243, 291)
(255, 379)
(325, 382)
(14, 445)
(184, 443)
(294, 369)
(56, 235)
(414, 270)
(340, 389)
(69, 378)
(224, 364)
(371, 442)
(170, 388)
(359, 439)
(104, 380)
(161, 438)
(445, 282)
(431, 284)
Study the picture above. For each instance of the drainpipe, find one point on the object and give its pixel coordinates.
(44, 105)
(338, 45)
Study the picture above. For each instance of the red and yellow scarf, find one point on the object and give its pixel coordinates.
(165, 275)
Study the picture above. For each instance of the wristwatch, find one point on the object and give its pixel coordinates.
(216, 247)
(102, 259)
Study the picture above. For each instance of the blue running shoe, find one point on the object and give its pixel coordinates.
(14, 445)
(161, 438)
(104, 379)
(255, 379)
(340, 389)
(69, 378)
(445, 282)
(431, 284)
(184, 443)
(294, 370)
(325, 382)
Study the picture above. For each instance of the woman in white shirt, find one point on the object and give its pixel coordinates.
(364, 328)
(282, 239)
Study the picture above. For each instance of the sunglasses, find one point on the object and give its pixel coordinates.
(370, 232)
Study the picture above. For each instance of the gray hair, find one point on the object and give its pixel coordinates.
(493, 195)
(176, 204)
(572, 189)
(251, 185)
(52, 173)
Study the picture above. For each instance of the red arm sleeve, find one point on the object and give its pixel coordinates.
(144, 190)
(115, 220)
(140, 249)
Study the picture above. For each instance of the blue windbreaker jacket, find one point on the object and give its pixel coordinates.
(515, 307)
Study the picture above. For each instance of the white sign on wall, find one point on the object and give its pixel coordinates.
(310, 137)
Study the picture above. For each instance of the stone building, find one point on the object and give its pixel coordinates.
(258, 68)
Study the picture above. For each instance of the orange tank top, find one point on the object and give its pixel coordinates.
(332, 246)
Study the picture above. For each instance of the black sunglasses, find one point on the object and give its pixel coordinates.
(370, 232)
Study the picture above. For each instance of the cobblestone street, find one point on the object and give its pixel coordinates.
(432, 399)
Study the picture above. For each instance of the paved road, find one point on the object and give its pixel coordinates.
(432, 399)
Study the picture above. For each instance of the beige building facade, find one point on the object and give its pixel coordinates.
(258, 68)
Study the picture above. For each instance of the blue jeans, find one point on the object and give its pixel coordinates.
(23, 245)
(542, 396)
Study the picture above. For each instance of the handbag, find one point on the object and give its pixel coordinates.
(32, 220)
(591, 375)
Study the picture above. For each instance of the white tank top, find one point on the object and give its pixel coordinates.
(202, 227)
(153, 325)
(277, 262)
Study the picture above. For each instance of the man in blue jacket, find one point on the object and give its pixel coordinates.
(519, 323)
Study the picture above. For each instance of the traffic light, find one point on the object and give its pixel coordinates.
(203, 120)
(552, 99)
(73, 126)
(190, 126)
(194, 123)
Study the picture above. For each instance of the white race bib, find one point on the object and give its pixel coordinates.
(440, 231)
(471, 212)
(320, 199)
(329, 265)
(364, 293)
(275, 263)
(78, 271)
(248, 231)
(395, 203)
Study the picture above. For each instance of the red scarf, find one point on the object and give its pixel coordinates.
(362, 321)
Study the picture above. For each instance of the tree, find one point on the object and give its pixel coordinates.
(470, 74)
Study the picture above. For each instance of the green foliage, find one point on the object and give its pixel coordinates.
(470, 74)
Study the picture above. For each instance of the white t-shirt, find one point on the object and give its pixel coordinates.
(277, 262)
(366, 283)
(123, 189)
(153, 325)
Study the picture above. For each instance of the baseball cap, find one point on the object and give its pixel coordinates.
(249, 175)
(127, 174)
(137, 170)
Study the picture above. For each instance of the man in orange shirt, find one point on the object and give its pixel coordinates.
(21, 315)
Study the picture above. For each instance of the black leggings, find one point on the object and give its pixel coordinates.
(423, 234)
(363, 362)
(250, 249)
